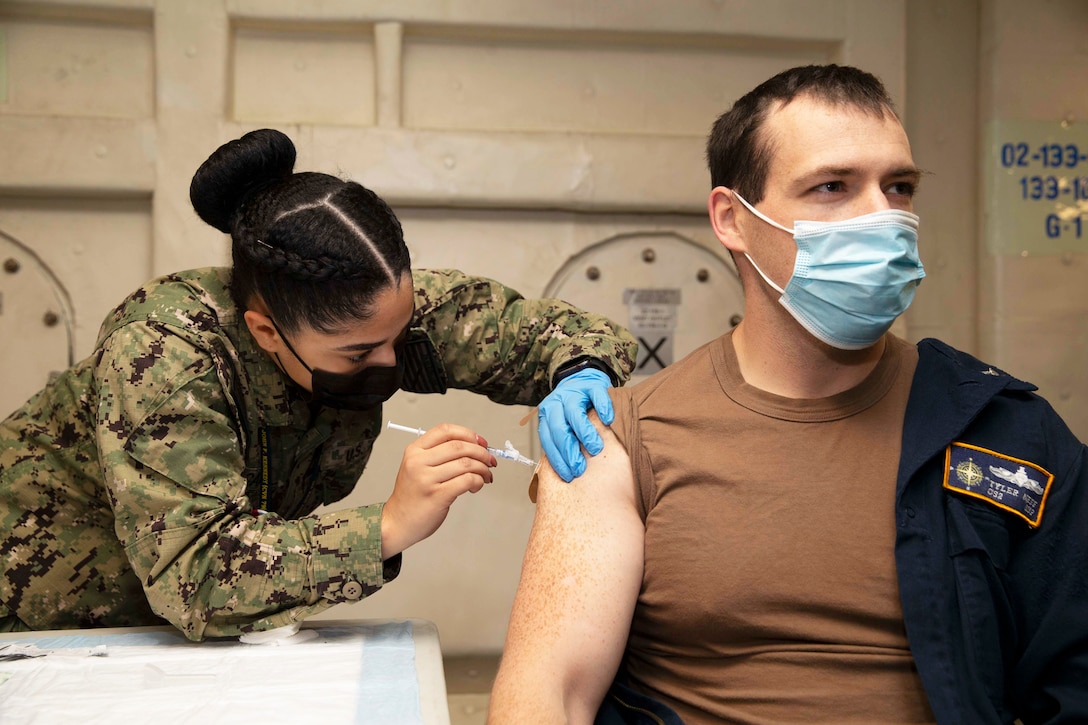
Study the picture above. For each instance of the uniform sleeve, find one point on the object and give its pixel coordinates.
(491, 340)
(172, 461)
(1049, 571)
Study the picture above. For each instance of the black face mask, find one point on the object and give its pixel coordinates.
(364, 390)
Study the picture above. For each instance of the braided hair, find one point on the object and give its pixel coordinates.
(316, 249)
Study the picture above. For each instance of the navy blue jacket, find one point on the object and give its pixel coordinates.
(996, 610)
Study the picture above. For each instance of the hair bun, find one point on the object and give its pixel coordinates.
(235, 170)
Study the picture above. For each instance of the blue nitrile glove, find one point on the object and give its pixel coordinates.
(564, 420)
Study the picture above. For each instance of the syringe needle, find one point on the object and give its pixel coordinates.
(509, 453)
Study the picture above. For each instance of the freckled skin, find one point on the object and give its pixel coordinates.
(580, 579)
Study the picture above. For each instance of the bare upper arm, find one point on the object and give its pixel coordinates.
(580, 578)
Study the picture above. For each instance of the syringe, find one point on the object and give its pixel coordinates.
(509, 453)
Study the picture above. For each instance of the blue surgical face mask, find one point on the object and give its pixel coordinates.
(852, 278)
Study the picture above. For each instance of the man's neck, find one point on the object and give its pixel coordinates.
(794, 364)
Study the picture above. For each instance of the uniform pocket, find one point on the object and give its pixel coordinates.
(978, 541)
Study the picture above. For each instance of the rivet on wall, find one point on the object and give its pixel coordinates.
(702, 275)
(648, 255)
(593, 273)
(735, 320)
(50, 319)
(11, 265)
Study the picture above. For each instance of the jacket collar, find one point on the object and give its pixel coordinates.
(950, 388)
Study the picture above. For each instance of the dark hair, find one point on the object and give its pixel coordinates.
(738, 155)
(316, 249)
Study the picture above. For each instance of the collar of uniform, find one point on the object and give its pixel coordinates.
(949, 390)
(275, 400)
(261, 390)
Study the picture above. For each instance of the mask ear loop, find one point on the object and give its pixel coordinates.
(773, 223)
(761, 215)
(288, 344)
(766, 279)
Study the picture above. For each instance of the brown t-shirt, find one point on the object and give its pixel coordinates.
(769, 592)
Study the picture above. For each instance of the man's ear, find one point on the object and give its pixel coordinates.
(723, 219)
(263, 331)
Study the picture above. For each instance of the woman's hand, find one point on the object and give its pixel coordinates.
(564, 421)
(439, 466)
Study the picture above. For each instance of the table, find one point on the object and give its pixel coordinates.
(365, 671)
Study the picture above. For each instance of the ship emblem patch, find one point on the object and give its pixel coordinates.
(1017, 486)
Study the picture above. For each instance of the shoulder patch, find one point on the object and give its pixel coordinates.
(1011, 484)
(422, 370)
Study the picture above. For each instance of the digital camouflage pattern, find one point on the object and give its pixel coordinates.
(172, 473)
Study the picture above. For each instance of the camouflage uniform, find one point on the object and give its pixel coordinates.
(170, 474)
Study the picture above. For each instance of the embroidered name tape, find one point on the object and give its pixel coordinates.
(1017, 486)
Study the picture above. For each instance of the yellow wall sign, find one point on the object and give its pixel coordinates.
(1035, 187)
